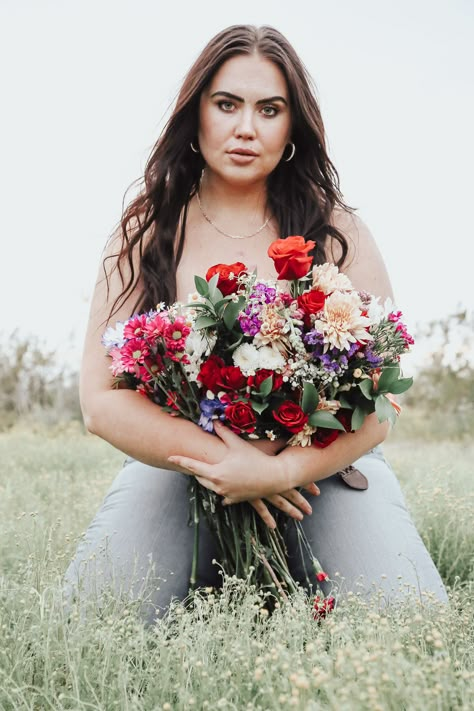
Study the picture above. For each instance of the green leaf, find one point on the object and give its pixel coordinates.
(344, 402)
(212, 285)
(205, 321)
(400, 385)
(259, 407)
(389, 375)
(367, 388)
(232, 311)
(384, 409)
(202, 287)
(358, 417)
(220, 305)
(310, 398)
(325, 419)
(266, 386)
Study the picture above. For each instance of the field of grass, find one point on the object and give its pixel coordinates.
(224, 652)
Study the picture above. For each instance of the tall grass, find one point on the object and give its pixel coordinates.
(224, 651)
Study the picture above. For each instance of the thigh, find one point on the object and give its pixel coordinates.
(140, 544)
(366, 540)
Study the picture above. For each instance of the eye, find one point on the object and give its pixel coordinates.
(269, 110)
(226, 106)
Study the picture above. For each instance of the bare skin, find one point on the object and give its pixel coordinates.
(233, 193)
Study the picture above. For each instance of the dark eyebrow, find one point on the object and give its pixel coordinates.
(239, 98)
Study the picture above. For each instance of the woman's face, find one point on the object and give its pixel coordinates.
(244, 119)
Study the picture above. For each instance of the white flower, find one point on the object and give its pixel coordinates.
(270, 358)
(302, 438)
(247, 358)
(341, 322)
(198, 345)
(113, 337)
(327, 278)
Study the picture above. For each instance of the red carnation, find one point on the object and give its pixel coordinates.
(241, 417)
(291, 416)
(210, 371)
(322, 606)
(290, 257)
(226, 284)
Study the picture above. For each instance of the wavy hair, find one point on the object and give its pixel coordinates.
(302, 193)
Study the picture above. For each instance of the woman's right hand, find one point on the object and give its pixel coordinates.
(290, 502)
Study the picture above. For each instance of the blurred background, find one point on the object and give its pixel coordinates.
(86, 90)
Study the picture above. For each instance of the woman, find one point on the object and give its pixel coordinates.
(241, 162)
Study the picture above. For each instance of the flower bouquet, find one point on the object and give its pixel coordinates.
(304, 357)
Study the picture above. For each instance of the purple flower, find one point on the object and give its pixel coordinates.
(372, 357)
(210, 408)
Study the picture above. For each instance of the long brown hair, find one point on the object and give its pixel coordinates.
(302, 193)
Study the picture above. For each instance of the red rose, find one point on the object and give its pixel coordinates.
(311, 301)
(290, 257)
(344, 415)
(291, 416)
(231, 378)
(265, 373)
(323, 437)
(209, 373)
(225, 283)
(241, 417)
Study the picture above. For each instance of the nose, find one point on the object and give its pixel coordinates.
(245, 127)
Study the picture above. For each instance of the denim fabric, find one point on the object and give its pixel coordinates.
(139, 543)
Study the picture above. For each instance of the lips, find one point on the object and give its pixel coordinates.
(243, 152)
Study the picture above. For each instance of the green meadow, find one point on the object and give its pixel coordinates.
(225, 651)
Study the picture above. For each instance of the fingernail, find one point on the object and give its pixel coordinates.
(308, 509)
(299, 516)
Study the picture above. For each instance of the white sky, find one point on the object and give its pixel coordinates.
(85, 87)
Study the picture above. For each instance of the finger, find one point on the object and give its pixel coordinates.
(188, 465)
(225, 433)
(298, 500)
(284, 505)
(263, 512)
(312, 488)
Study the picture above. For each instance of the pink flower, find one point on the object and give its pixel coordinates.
(394, 316)
(175, 335)
(320, 577)
(135, 326)
(155, 327)
(117, 366)
(134, 353)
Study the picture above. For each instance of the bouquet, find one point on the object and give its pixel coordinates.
(305, 357)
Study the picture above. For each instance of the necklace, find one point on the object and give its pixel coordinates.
(226, 234)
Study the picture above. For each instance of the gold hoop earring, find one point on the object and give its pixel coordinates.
(194, 150)
(293, 149)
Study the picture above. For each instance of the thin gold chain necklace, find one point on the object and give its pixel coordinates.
(226, 234)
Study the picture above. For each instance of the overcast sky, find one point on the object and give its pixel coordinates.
(85, 88)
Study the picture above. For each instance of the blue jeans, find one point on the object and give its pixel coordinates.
(139, 543)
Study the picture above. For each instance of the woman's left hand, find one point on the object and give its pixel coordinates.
(244, 473)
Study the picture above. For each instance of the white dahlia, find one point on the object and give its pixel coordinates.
(247, 358)
(327, 278)
(341, 322)
(270, 358)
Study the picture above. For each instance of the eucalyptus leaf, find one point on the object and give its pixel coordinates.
(232, 311)
(400, 385)
(310, 398)
(202, 287)
(266, 386)
(344, 402)
(366, 386)
(212, 285)
(205, 322)
(384, 409)
(389, 375)
(259, 407)
(358, 417)
(325, 419)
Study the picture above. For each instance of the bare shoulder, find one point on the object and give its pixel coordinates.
(364, 264)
